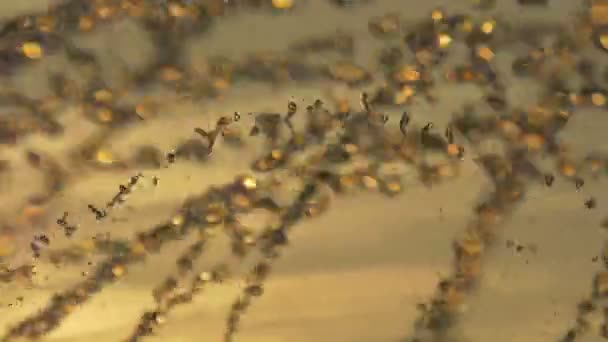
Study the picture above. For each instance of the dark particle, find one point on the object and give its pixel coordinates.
(170, 157)
(403, 122)
(549, 179)
(99, 214)
(34, 159)
(579, 183)
(254, 290)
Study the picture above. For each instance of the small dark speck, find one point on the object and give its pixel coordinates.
(579, 183)
(549, 179)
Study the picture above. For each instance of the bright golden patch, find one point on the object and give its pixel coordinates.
(32, 50)
(283, 4)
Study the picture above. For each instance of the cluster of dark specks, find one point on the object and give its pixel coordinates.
(526, 135)
(68, 229)
(119, 198)
(339, 138)
(222, 204)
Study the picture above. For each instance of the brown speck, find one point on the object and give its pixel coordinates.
(549, 179)
(579, 183)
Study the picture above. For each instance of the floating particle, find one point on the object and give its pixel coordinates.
(579, 183)
(86, 23)
(63, 220)
(598, 99)
(403, 96)
(437, 15)
(170, 157)
(590, 203)
(248, 182)
(105, 115)
(34, 159)
(99, 214)
(601, 39)
(283, 4)
(69, 230)
(485, 53)
(364, 99)
(567, 169)
(38, 243)
(118, 271)
(487, 27)
(407, 74)
(254, 290)
(444, 40)
(104, 156)
(427, 128)
(134, 179)
(454, 150)
(549, 179)
(32, 50)
(103, 96)
(292, 109)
